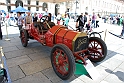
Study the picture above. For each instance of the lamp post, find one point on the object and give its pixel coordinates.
(7, 4)
(76, 2)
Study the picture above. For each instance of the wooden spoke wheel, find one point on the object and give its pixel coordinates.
(24, 37)
(63, 61)
(97, 49)
(95, 34)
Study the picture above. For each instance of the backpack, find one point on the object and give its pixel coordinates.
(3, 76)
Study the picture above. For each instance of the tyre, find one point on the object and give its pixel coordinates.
(97, 48)
(62, 61)
(95, 34)
(24, 37)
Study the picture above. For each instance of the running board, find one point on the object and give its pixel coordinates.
(91, 70)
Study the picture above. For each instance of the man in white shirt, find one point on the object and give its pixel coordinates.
(28, 19)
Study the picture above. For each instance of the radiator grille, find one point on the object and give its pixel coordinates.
(81, 43)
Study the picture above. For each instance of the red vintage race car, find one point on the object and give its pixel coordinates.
(68, 46)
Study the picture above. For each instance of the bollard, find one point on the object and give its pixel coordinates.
(105, 35)
(7, 33)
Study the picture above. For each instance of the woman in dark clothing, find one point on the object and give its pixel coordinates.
(1, 36)
(35, 18)
(49, 16)
(122, 32)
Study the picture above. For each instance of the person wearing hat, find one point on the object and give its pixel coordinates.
(1, 36)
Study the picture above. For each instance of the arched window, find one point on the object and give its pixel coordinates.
(57, 6)
(18, 3)
(45, 6)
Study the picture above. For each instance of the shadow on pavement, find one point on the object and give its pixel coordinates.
(119, 74)
(110, 54)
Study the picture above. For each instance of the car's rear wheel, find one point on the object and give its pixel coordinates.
(63, 61)
(24, 37)
(97, 49)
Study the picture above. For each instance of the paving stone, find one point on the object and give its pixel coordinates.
(26, 51)
(4, 43)
(18, 60)
(76, 80)
(36, 78)
(41, 49)
(116, 77)
(18, 52)
(33, 44)
(119, 57)
(8, 49)
(73, 79)
(51, 75)
(103, 81)
(122, 66)
(39, 55)
(31, 67)
(85, 79)
(109, 52)
(102, 72)
(111, 63)
(16, 73)
(113, 53)
(13, 54)
(98, 63)
(44, 63)
(16, 40)
(20, 47)
(121, 51)
(112, 47)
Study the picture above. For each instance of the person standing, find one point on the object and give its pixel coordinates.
(1, 36)
(121, 21)
(94, 19)
(40, 16)
(58, 18)
(87, 22)
(66, 20)
(35, 18)
(20, 20)
(97, 20)
(28, 19)
(122, 32)
(80, 22)
(49, 16)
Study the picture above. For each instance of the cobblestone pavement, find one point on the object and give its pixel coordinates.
(32, 64)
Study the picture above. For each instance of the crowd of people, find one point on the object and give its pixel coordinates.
(83, 21)
(115, 20)
(87, 21)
